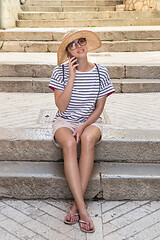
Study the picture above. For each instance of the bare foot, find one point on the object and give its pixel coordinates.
(87, 226)
(72, 216)
(86, 223)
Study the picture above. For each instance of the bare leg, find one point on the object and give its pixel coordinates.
(66, 140)
(88, 140)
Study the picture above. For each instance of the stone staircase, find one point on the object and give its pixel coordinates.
(80, 13)
(115, 39)
(127, 160)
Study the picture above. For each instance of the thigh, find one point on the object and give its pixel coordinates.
(64, 137)
(91, 134)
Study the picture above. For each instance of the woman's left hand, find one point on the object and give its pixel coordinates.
(78, 132)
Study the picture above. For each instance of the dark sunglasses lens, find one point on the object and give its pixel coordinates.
(72, 45)
(82, 41)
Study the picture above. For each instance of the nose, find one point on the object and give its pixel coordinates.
(78, 45)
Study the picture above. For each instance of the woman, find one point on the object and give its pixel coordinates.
(80, 89)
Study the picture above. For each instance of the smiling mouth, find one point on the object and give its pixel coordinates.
(81, 51)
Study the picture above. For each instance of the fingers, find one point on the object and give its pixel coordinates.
(73, 62)
(77, 136)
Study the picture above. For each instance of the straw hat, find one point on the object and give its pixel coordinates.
(93, 42)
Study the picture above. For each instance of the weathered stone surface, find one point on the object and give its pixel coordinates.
(141, 5)
(130, 46)
(9, 13)
(117, 145)
(116, 71)
(72, 2)
(15, 85)
(71, 23)
(14, 46)
(143, 72)
(138, 85)
(107, 46)
(40, 180)
(67, 8)
(28, 144)
(130, 181)
(108, 34)
(45, 70)
(26, 70)
(25, 35)
(41, 86)
(129, 145)
(53, 46)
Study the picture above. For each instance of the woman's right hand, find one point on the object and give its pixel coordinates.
(72, 68)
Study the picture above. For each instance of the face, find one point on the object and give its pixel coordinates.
(78, 48)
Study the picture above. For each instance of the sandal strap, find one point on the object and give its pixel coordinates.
(72, 215)
(81, 221)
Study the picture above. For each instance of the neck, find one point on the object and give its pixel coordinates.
(84, 65)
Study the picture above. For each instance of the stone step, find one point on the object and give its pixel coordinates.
(86, 15)
(105, 33)
(109, 181)
(74, 3)
(40, 85)
(117, 145)
(87, 23)
(121, 65)
(68, 8)
(107, 46)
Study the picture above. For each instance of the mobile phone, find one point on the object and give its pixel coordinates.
(70, 55)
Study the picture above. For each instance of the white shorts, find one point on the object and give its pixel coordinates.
(61, 122)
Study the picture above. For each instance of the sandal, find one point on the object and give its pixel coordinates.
(69, 221)
(91, 230)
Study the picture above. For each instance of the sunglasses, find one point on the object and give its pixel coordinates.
(73, 45)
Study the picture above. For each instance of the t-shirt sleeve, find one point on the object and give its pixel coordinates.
(106, 87)
(57, 79)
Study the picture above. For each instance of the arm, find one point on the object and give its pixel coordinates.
(93, 117)
(62, 98)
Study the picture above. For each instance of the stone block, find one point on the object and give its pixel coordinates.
(30, 46)
(130, 181)
(145, 8)
(42, 8)
(53, 46)
(137, 86)
(9, 12)
(28, 144)
(117, 145)
(116, 72)
(120, 7)
(26, 70)
(26, 180)
(143, 72)
(40, 86)
(117, 85)
(14, 46)
(128, 145)
(42, 3)
(15, 85)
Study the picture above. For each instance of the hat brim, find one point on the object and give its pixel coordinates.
(93, 42)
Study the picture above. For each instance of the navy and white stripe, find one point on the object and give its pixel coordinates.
(87, 89)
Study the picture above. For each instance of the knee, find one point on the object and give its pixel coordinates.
(87, 140)
(70, 144)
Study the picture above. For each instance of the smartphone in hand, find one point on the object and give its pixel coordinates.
(70, 55)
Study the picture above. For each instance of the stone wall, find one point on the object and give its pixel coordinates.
(8, 12)
(142, 5)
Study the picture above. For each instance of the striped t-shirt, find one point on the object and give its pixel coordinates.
(87, 89)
